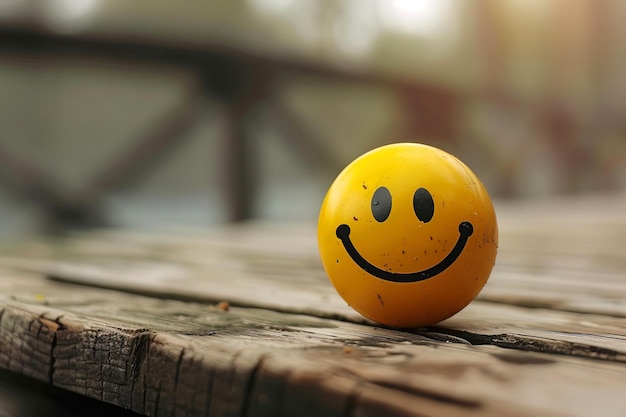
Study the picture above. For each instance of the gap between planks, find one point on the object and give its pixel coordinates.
(164, 357)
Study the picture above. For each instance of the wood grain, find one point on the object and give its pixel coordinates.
(482, 322)
(172, 358)
(562, 254)
(134, 319)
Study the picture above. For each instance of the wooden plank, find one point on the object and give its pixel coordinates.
(481, 322)
(565, 254)
(546, 336)
(237, 264)
(172, 358)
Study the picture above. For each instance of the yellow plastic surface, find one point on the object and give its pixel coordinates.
(408, 235)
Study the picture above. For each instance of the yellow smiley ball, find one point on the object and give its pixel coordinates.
(407, 235)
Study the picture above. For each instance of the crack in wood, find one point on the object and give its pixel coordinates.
(137, 356)
(526, 343)
(177, 375)
(250, 387)
(146, 364)
(557, 347)
(54, 326)
(52, 359)
(446, 338)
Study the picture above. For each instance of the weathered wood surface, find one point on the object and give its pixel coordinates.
(165, 357)
(565, 254)
(547, 336)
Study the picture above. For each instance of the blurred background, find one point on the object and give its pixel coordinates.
(152, 112)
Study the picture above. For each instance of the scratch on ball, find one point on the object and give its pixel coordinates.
(380, 300)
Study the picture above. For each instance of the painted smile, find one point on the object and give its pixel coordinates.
(465, 231)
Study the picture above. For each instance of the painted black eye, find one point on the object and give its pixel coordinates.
(381, 204)
(423, 205)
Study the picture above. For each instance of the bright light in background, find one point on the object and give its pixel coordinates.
(356, 29)
(68, 16)
(305, 20)
(415, 17)
(271, 7)
(301, 15)
(354, 26)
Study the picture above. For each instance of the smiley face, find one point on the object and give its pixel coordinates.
(407, 235)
